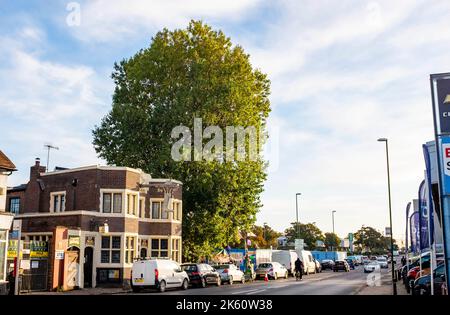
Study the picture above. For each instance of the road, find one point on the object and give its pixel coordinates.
(325, 283)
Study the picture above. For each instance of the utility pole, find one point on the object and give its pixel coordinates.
(394, 280)
(296, 211)
(49, 147)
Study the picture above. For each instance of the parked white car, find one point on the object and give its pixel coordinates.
(383, 262)
(159, 274)
(372, 266)
(273, 270)
(230, 273)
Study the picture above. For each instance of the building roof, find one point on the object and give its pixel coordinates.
(5, 163)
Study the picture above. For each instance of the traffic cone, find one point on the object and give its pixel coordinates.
(266, 278)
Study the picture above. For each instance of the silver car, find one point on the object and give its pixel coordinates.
(230, 273)
(273, 270)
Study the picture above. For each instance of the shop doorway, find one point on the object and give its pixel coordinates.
(72, 268)
(87, 267)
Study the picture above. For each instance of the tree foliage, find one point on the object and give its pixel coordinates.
(370, 240)
(332, 241)
(185, 74)
(309, 232)
(265, 237)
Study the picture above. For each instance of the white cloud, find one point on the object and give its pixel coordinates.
(103, 20)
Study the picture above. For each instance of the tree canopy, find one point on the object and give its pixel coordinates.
(309, 232)
(185, 74)
(370, 240)
(332, 241)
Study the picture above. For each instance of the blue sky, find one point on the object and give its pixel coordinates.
(344, 73)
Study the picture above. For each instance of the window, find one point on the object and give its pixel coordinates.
(177, 210)
(117, 203)
(130, 249)
(14, 205)
(106, 203)
(156, 209)
(58, 202)
(175, 249)
(111, 202)
(159, 248)
(110, 252)
(132, 204)
(142, 207)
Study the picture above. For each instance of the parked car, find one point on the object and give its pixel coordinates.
(353, 259)
(372, 266)
(365, 260)
(159, 274)
(422, 285)
(274, 270)
(287, 258)
(327, 264)
(382, 261)
(411, 277)
(318, 266)
(308, 261)
(341, 265)
(202, 274)
(351, 263)
(230, 273)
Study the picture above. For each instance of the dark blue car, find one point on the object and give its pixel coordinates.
(350, 263)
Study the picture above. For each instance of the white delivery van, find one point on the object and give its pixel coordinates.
(308, 261)
(287, 258)
(159, 274)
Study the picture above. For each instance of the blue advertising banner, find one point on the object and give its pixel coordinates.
(423, 216)
(414, 228)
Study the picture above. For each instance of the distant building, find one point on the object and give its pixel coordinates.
(97, 220)
(6, 168)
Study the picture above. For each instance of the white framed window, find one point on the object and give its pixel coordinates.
(110, 249)
(130, 249)
(58, 201)
(177, 213)
(176, 245)
(132, 204)
(111, 201)
(159, 247)
(156, 209)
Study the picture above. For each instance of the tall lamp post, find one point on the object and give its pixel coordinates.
(394, 280)
(332, 219)
(296, 213)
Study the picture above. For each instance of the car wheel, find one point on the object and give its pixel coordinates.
(230, 280)
(203, 283)
(162, 286)
(185, 284)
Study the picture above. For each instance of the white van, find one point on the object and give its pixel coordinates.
(287, 258)
(159, 274)
(308, 261)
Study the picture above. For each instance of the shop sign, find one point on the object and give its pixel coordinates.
(38, 249)
(74, 241)
(12, 249)
(90, 241)
(59, 254)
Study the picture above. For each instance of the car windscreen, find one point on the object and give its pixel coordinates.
(189, 267)
(265, 266)
(220, 267)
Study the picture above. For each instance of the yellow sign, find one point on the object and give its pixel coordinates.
(74, 241)
(12, 249)
(38, 249)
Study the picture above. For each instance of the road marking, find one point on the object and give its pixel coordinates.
(246, 291)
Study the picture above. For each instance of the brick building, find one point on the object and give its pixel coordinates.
(6, 168)
(97, 219)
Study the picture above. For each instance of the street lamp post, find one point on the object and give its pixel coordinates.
(332, 219)
(296, 213)
(394, 280)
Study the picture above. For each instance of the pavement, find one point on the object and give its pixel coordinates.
(355, 282)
